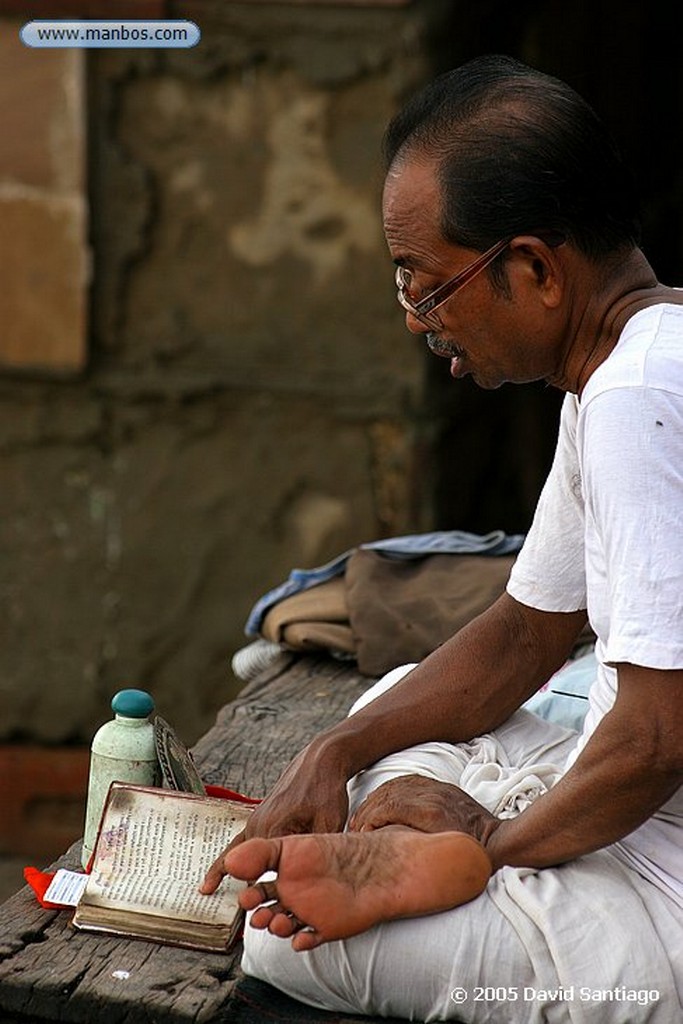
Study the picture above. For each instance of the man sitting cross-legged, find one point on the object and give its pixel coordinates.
(511, 221)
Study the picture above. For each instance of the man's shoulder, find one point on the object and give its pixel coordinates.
(648, 355)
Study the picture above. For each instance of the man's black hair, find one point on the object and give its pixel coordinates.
(519, 152)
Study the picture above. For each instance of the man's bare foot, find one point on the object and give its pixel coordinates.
(338, 885)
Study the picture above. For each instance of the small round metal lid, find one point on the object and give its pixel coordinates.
(133, 703)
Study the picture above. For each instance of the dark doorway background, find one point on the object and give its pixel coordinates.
(488, 453)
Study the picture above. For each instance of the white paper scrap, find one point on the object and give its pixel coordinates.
(66, 887)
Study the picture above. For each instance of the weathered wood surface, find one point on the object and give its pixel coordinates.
(51, 972)
(259, 733)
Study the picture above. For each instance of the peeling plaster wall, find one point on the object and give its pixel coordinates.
(251, 398)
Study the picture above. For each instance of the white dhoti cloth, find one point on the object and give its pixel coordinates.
(589, 942)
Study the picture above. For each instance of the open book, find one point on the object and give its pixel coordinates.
(153, 850)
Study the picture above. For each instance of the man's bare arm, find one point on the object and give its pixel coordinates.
(632, 764)
(468, 686)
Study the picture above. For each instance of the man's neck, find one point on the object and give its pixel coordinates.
(614, 297)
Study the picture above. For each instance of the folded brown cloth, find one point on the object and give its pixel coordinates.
(402, 609)
(315, 619)
(389, 611)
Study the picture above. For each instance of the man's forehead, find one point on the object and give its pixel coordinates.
(412, 179)
(412, 208)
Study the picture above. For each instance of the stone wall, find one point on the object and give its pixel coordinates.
(250, 397)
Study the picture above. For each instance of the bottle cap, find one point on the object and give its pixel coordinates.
(132, 703)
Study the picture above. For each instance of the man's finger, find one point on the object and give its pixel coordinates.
(214, 875)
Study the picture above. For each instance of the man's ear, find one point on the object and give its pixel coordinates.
(540, 265)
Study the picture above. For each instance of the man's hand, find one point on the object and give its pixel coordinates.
(310, 796)
(424, 804)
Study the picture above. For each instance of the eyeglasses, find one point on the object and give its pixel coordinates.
(423, 310)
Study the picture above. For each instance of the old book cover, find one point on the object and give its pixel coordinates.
(153, 849)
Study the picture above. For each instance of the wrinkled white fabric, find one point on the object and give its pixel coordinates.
(503, 789)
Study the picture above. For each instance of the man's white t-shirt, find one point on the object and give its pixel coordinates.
(608, 536)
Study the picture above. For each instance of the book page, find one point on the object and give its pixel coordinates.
(154, 849)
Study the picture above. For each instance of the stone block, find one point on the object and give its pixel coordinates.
(261, 258)
(137, 553)
(43, 270)
(41, 111)
(44, 256)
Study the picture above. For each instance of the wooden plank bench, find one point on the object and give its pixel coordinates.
(50, 972)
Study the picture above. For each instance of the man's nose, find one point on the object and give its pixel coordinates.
(416, 326)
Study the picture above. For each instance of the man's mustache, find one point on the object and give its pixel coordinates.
(442, 348)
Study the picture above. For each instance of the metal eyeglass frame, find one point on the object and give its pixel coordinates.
(424, 309)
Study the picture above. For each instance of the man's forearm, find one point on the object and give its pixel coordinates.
(468, 686)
